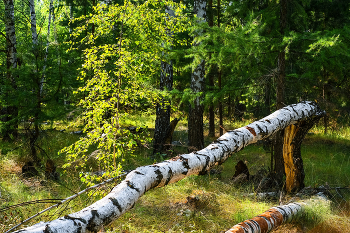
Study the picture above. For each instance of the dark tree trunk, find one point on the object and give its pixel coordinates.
(195, 117)
(220, 107)
(280, 97)
(219, 80)
(229, 107)
(163, 127)
(211, 74)
(163, 109)
(268, 96)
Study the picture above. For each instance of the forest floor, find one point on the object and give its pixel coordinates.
(209, 203)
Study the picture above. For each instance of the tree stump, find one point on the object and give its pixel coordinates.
(293, 163)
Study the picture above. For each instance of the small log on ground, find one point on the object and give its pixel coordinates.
(124, 196)
(276, 216)
(270, 219)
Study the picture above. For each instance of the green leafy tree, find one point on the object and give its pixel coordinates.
(121, 59)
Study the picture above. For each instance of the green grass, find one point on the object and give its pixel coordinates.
(219, 203)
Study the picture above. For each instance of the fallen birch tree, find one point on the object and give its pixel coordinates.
(276, 216)
(270, 219)
(124, 196)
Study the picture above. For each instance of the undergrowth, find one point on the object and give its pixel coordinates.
(209, 203)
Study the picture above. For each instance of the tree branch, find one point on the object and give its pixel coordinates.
(68, 199)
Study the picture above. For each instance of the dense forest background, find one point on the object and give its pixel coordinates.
(95, 64)
(102, 60)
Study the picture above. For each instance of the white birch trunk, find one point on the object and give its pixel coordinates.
(33, 24)
(47, 49)
(139, 181)
(195, 116)
(10, 29)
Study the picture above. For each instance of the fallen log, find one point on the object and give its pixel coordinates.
(270, 219)
(124, 196)
(276, 216)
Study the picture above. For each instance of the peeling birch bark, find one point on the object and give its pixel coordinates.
(270, 219)
(138, 182)
(276, 216)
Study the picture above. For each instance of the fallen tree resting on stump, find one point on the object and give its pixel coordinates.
(124, 196)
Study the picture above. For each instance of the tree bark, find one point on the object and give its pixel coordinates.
(280, 97)
(9, 112)
(195, 116)
(219, 81)
(293, 162)
(46, 50)
(211, 74)
(277, 216)
(33, 26)
(124, 195)
(221, 122)
(268, 96)
(270, 219)
(163, 109)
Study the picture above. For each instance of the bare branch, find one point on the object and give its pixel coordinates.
(68, 199)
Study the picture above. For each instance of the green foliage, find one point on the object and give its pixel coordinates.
(121, 59)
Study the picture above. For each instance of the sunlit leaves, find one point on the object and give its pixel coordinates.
(120, 58)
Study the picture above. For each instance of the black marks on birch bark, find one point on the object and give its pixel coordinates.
(294, 110)
(139, 173)
(243, 142)
(159, 177)
(256, 224)
(261, 131)
(72, 218)
(234, 140)
(249, 224)
(48, 229)
(185, 164)
(170, 175)
(204, 170)
(92, 226)
(132, 186)
(283, 212)
(116, 203)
